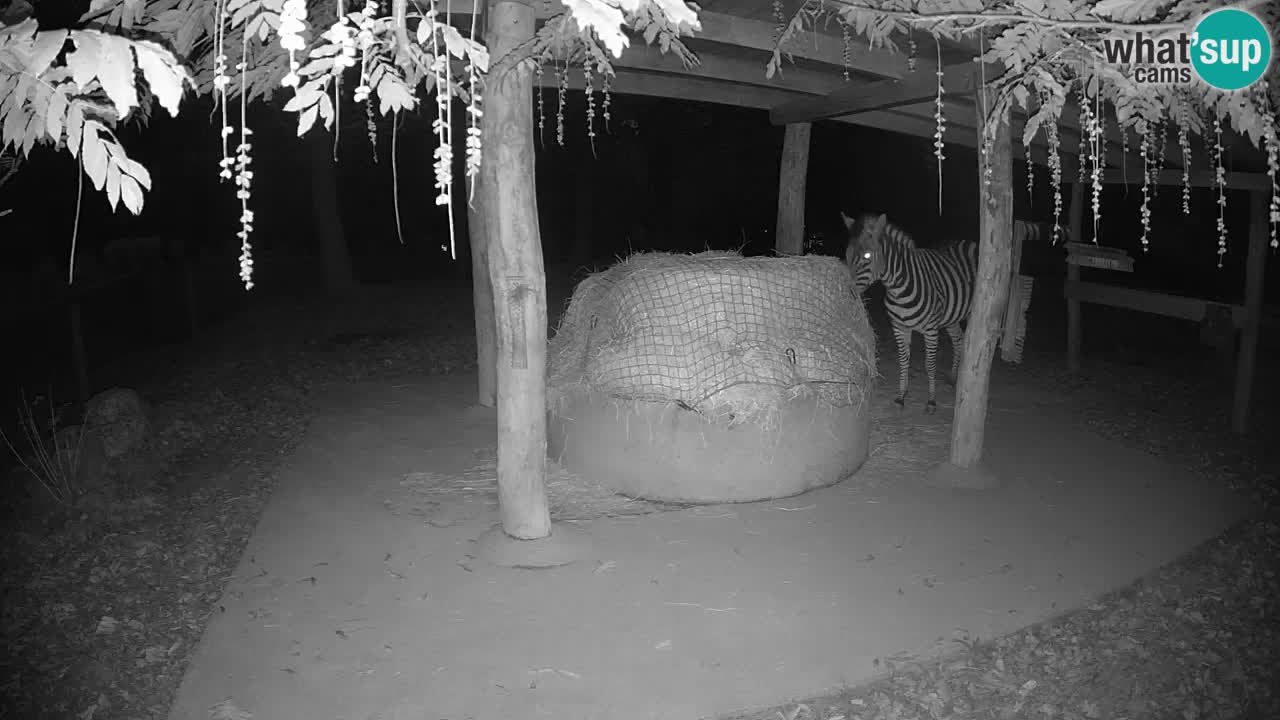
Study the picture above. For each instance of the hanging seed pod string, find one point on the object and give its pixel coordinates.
(1084, 126)
(562, 78)
(1055, 177)
(1220, 177)
(846, 53)
(605, 105)
(938, 144)
(589, 88)
(1184, 142)
(1273, 160)
(1159, 144)
(1146, 130)
(1095, 152)
(537, 85)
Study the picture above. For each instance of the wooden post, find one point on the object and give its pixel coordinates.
(517, 275)
(584, 208)
(326, 214)
(189, 294)
(1075, 225)
(989, 294)
(482, 299)
(78, 358)
(791, 181)
(1246, 360)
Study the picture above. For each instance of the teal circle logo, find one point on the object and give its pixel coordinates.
(1231, 48)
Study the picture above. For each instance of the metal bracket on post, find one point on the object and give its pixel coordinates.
(518, 292)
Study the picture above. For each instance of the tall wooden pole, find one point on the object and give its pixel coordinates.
(517, 275)
(584, 208)
(995, 182)
(1075, 225)
(482, 300)
(1255, 274)
(326, 214)
(791, 185)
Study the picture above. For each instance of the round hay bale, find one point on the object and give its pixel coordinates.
(712, 377)
(660, 451)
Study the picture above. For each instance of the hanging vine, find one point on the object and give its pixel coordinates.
(1273, 162)
(542, 118)
(1055, 177)
(846, 49)
(1220, 179)
(939, 118)
(1096, 161)
(562, 91)
(1147, 164)
(605, 106)
(1184, 143)
(589, 88)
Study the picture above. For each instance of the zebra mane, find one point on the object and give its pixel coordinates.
(898, 237)
(903, 240)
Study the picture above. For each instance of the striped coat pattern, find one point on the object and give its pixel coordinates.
(926, 290)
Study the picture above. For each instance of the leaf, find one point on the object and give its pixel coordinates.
(325, 106)
(131, 194)
(55, 114)
(307, 119)
(83, 61)
(227, 710)
(94, 155)
(45, 50)
(165, 76)
(75, 128)
(1128, 11)
(454, 42)
(116, 73)
(305, 97)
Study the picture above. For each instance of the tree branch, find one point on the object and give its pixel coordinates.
(987, 18)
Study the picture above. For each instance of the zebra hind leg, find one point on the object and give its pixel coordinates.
(903, 338)
(957, 347)
(931, 368)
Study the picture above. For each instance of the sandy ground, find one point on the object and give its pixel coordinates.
(359, 595)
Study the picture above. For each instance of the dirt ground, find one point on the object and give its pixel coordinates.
(103, 608)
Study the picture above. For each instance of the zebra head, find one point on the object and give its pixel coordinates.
(864, 254)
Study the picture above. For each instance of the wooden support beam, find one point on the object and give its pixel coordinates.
(1199, 178)
(853, 98)
(79, 360)
(482, 299)
(815, 46)
(697, 89)
(517, 276)
(1075, 226)
(1255, 275)
(792, 175)
(1145, 301)
(995, 212)
(759, 35)
(721, 63)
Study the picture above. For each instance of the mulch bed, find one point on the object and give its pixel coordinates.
(101, 608)
(1197, 638)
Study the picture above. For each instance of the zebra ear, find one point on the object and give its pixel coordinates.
(848, 221)
(878, 225)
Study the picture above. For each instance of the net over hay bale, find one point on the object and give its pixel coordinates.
(712, 377)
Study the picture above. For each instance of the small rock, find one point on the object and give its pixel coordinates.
(119, 418)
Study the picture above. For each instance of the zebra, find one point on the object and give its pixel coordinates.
(926, 290)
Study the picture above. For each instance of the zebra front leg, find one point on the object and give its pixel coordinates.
(931, 368)
(903, 338)
(957, 347)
